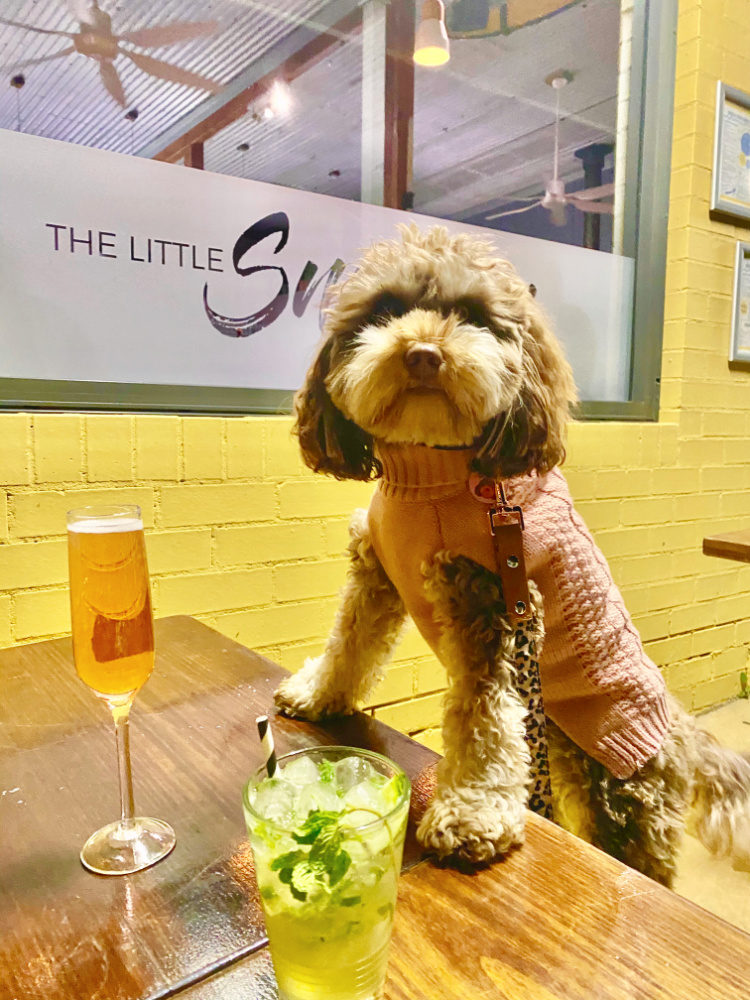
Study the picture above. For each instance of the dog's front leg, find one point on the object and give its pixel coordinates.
(367, 626)
(479, 807)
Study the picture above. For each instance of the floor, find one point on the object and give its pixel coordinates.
(711, 882)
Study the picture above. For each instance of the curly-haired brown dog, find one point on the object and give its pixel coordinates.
(438, 363)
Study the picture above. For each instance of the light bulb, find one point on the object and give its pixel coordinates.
(431, 45)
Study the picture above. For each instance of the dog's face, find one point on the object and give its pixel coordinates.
(436, 341)
(427, 369)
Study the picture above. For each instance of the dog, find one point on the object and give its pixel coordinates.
(440, 374)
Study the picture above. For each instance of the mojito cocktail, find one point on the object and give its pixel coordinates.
(327, 833)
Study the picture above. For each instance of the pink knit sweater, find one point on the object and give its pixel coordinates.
(598, 684)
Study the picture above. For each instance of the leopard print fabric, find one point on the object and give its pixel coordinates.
(529, 688)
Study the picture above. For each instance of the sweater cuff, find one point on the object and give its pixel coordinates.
(630, 747)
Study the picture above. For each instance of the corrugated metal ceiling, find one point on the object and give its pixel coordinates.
(64, 99)
(483, 124)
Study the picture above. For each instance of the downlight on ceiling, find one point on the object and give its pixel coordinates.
(431, 45)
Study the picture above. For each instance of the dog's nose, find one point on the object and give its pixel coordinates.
(423, 361)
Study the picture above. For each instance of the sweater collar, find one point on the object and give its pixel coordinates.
(418, 472)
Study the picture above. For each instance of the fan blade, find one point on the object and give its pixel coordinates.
(594, 194)
(38, 31)
(166, 71)
(42, 59)
(558, 213)
(113, 83)
(592, 207)
(169, 34)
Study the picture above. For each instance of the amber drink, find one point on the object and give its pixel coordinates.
(110, 604)
(113, 646)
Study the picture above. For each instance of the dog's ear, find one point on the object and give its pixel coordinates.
(329, 441)
(531, 436)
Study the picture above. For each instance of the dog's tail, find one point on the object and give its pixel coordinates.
(722, 801)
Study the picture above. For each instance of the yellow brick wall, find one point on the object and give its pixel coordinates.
(243, 537)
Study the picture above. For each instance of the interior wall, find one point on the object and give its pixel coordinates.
(244, 538)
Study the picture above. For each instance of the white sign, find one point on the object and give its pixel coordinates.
(119, 269)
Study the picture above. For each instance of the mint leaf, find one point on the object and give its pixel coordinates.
(287, 860)
(350, 901)
(327, 771)
(317, 821)
(307, 876)
(338, 866)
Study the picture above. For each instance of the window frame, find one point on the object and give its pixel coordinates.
(648, 156)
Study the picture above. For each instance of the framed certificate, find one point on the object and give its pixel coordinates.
(739, 347)
(730, 188)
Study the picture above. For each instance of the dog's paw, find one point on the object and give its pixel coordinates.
(476, 830)
(302, 696)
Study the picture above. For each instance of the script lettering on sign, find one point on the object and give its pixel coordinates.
(244, 326)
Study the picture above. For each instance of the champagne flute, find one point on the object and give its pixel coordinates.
(113, 646)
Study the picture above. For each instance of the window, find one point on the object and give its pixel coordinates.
(550, 125)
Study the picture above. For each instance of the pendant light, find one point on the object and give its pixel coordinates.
(431, 46)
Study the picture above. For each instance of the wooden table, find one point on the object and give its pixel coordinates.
(556, 921)
(733, 545)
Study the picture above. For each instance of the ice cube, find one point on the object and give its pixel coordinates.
(275, 801)
(317, 796)
(351, 771)
(300, 772)
(364, 804)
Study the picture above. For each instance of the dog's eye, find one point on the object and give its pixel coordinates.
(473, 312)
(388, 306)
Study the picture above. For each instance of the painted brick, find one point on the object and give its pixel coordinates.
(177, 551)
(430, 738)
(41, 613)
(202, 447)
(58, 448)
(730, 661)
(640, 599)
(430, 676)
(109, 448)
(3, 515)
(412, 646)
(258, 543)
(711, 640)
(6, 637)
(698, 616)
(282, 454)
(290, 621)
(420, 713)
(323, 498)
(397, 685)
(336, 534)
(202, 592)
(157, 454)
(244, 446)
(600, 514)
(303, 580)
(716, 691)
(38, 514)
(293, 657)
(220, 504)
(688, 673)
(15, 450)
(33, 564)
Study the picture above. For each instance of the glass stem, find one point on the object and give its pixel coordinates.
(121, 714)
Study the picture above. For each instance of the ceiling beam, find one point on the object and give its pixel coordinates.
(301, 49)
(399, 104)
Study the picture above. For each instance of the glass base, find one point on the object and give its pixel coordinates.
(123, 848)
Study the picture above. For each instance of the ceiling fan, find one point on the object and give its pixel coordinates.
(555, 198)
(96, 40)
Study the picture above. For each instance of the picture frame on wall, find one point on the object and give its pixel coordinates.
(739, 345)
(730, 185)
